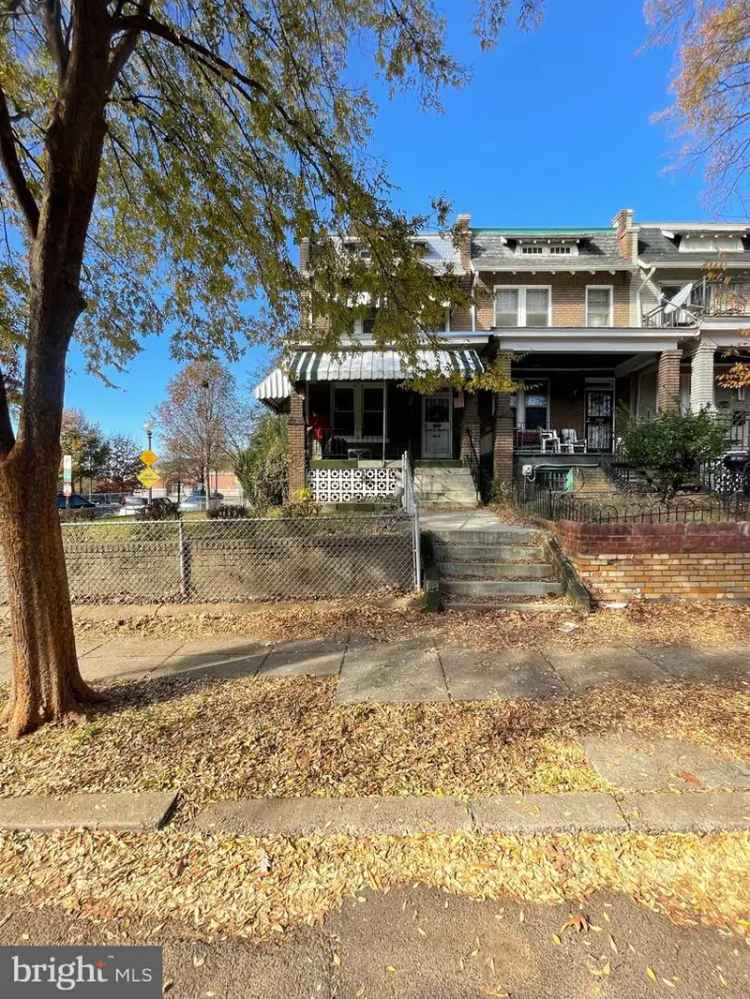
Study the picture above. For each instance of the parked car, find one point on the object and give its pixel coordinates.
(131, 505)
(196, 501)
(73, 502)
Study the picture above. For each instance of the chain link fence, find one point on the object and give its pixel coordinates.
(237, 560)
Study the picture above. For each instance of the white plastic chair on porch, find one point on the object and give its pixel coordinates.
(569, 443)
(549, 438)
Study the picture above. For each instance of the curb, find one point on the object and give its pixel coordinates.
(525, 815)
(699, 812)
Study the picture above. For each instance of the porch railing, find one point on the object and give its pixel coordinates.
(349, 447)
(471, 459)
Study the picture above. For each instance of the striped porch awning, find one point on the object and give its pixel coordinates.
(376, 365)
(363, 366)
(274, 388)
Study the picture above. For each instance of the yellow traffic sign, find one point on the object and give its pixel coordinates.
(148, 477)
(148, 457)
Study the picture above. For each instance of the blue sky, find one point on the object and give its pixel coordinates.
(554, 129)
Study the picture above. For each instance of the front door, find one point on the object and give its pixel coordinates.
(437, 432)
(599, 414)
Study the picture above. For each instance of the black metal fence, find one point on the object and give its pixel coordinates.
(621, 510)
(550, 504)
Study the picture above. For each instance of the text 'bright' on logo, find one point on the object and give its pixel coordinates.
(41, 972)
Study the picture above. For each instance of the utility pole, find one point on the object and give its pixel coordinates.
(149, 428)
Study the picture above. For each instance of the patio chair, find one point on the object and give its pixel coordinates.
(569, 442)
(549, 441)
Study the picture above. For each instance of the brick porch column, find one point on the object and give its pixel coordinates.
(470, 429)
(668, 381)
(503, 445)
(296, 440)
(702, 384)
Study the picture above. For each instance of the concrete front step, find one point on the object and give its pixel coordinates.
(540, 606)
(443, 474)
(496, 570)
(500, 587)
(449, 495)
(488, 553)
(494, 536)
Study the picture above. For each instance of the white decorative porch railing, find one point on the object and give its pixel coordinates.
(350, 485)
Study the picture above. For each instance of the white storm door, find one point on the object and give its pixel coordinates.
(437, 436)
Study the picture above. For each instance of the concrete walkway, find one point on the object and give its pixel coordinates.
(410, 670)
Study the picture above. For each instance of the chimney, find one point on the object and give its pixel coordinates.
(627, 234)
(462, 238)
(304, 255)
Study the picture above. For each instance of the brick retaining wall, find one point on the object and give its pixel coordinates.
(693, 561)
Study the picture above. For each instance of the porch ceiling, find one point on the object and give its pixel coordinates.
(560, 340)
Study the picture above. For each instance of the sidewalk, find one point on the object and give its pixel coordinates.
(410, 670)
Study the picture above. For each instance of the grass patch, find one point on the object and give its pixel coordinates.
(214, 740)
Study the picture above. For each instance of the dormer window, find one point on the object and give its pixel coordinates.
(702, 243)
(547, 249)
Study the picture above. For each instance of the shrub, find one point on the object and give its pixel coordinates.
(228, 512)
(670, 446)
(160, 509)
(262, 466)
(74, 516)
(302, 504)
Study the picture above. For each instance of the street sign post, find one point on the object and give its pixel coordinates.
(148, 457)
(67, 476)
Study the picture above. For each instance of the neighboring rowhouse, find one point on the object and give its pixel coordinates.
(645, 314)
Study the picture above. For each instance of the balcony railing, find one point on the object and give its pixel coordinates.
(708, 298)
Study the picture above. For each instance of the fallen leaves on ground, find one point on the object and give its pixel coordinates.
(577, 921)
(703, 625)
(213, 739)
(107, 876)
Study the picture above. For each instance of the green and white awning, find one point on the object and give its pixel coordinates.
(376, 365)
(363, 366)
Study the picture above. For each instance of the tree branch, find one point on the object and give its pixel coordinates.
(126, 45)
(52, 13)
(14, 170)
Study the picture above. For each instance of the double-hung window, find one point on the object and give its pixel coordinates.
(599, 305)
(522, 306)
(357, 410)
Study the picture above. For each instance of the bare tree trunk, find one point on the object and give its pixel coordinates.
(46, 682)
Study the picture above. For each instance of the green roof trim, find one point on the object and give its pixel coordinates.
(512, 231)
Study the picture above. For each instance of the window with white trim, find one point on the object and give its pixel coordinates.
(599, 305)
(357, 410)
(532, 250)
(522, 306)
